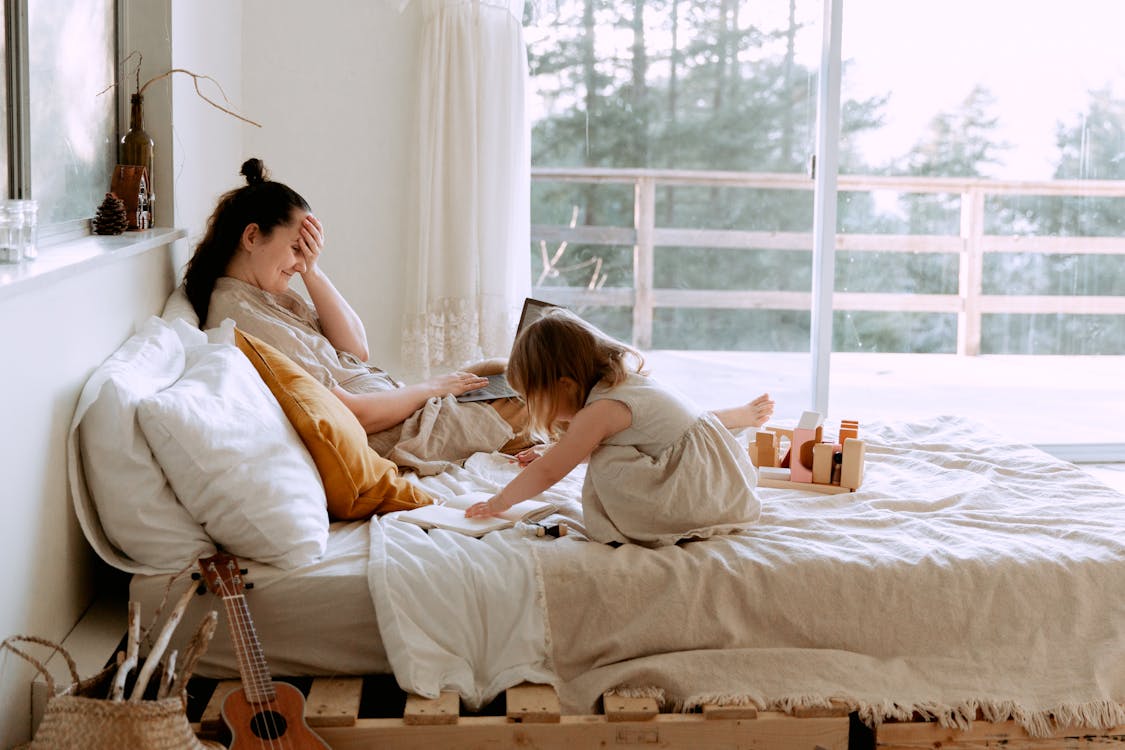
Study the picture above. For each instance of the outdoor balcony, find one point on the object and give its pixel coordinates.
(1056, 401)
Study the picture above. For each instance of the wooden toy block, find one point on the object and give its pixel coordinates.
(765, 449)
(779, 478)
(822, 463)
(809, 432)
(851, 473)
(849, 428)
(781, 432)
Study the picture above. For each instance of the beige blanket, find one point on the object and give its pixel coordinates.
(967, 573)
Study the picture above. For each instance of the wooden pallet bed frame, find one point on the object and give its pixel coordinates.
(367, 713)
(528, 716)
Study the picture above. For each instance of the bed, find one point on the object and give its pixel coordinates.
(969, 577)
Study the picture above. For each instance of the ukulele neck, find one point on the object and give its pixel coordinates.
(252, 666)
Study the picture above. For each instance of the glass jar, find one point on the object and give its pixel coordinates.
(9, 233)
(29, 228)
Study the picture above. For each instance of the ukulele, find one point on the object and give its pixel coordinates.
(261, 713)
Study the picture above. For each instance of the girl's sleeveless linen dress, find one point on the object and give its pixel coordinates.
(675, 473)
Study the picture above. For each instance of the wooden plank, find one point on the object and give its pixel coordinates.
(620, 708)
(985, 734)
(584, 235)
(786, 484)
(713, 712)
(432, 711)
(835, 708)
(991, 243)
(533, 704)
(212, 719)
(644, 262)
(333, 701)
(770, 731)
(1031, 304)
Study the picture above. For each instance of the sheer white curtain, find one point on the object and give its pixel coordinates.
(471, 270)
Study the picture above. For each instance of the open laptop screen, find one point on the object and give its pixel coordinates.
(498, 387)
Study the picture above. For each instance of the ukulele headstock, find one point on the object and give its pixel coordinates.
(221, 574)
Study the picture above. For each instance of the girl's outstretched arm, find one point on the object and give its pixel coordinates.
(590, 426)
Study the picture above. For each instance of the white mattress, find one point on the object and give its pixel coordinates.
(314, 620)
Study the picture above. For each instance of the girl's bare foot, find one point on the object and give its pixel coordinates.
(754, 414)
(760, 410)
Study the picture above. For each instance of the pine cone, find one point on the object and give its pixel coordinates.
(111, 217)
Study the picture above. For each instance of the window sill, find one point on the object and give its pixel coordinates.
(65, 259)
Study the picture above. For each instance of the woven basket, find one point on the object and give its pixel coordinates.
(79, 716)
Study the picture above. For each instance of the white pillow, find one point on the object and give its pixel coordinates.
(235, 461)
(136, 508)
(178, 307)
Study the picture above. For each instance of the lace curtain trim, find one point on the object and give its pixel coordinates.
(452, 333)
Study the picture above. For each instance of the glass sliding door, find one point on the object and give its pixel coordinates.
(980, 265)
(671, 198)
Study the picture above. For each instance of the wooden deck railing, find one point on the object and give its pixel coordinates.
(971, 245)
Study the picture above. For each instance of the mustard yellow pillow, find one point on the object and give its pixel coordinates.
(358, 481)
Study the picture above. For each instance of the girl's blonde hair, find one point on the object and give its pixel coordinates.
(562, 345)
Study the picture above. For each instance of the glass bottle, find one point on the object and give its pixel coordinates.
(136, 145)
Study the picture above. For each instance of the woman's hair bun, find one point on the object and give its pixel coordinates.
(254, 171)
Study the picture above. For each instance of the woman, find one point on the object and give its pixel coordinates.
(262, 235)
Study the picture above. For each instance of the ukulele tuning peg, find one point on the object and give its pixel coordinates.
(201, 589)
(250, 585)
(243, 571)
(195, 576)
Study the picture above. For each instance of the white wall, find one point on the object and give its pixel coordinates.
(206, 143)
(333, 86)
(52, 339)
(335, 91)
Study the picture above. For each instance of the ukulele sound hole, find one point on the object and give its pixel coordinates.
(268, 725)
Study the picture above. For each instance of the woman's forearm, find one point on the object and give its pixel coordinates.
(384, 409)
(340, 323)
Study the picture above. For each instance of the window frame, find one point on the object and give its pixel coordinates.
(18, 125)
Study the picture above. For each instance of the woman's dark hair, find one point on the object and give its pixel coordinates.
(261, 201)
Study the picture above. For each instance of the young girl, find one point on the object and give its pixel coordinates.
(660, 470)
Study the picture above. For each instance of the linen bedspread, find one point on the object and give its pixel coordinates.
(967, 572)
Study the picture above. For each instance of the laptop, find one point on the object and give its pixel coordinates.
(498, 387)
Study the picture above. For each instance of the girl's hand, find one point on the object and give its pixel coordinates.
(455, 383)
(491, 507)
(311, 242)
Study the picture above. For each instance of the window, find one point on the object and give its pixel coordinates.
(671, 202)
(985, 216)
(61, 130)
(976, 263)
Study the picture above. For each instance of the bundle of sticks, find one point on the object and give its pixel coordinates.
(172, 677)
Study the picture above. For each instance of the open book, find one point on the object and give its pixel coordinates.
(451, 514)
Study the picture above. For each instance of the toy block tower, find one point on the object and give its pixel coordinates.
(808, 432)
